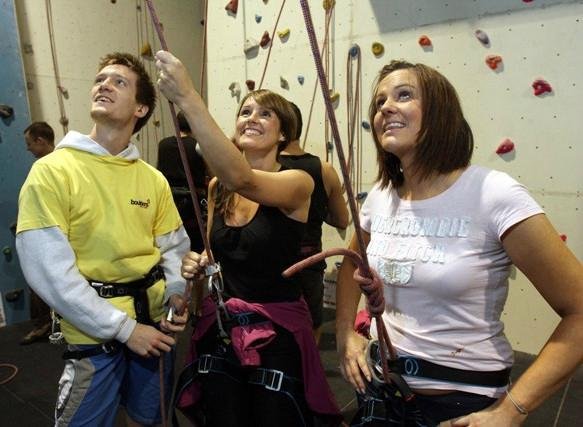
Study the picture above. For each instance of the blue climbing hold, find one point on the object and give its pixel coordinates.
(354, 50)
(301, 79)
(366, 125)
(258, 18)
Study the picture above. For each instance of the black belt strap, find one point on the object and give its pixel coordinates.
(137, 289)
(422, 368)
(111, 347)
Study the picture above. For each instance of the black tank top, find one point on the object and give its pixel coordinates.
(253, 256)
(319, 203)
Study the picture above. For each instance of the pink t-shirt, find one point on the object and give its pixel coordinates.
(445, 271)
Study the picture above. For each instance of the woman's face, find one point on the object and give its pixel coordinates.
(397, 120)
(257, 126)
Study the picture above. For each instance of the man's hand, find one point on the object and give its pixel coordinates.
(179, 308)
(148, 341)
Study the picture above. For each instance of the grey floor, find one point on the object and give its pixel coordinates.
(28, 399)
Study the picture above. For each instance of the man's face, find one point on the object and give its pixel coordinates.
(36, 146)
(113, 97)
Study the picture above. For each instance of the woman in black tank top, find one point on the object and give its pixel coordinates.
(257, 214)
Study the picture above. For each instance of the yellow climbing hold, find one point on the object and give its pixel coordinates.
(283, 33)
(378, 49)
(334, 96)
(146, 51)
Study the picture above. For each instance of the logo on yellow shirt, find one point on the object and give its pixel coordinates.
(140, 203)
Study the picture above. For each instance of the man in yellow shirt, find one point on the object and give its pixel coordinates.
(101, 241)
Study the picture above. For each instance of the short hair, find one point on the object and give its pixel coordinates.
(445, 140)
(183, 124)
(300, 123)
(145, 92)
(282, 108)
(41, 130)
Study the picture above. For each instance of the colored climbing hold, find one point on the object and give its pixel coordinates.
(505, 146)
(424, 41)
(146, 51)
(283, 82)
(328, 4)
(6, 111)
(265, 39)
(250, 45)
(493, 61)
(301, 79)
(354, 50)
(483, 37)
(250, 84)
(563, 237)
(235, 89)
(258, 18)
(64, 91)
(283, 34)
(156, 123)
(232, 6)
(378, 49)
(329, 146)
(362, 195)
(365, 125)
(541, 86)
(64, 121)
(527, 1)
(334, 96)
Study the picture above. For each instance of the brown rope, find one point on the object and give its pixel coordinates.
(60, 89)
(271, 44)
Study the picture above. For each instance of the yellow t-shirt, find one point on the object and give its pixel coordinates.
(111, 209)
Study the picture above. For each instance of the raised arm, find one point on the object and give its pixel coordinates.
(337, 210)
(288, 190)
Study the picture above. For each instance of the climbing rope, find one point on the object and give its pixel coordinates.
(61, 91)
(204, 46)
(271, 44)
(373, 291)
(10, 376)
(354, 116)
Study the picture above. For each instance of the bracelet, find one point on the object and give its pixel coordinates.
(517, 405)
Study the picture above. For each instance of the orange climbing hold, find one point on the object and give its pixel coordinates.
(232, 6)
(541, 86)
(493, 61)
(146, 51)
(328, 4)
(505, 147)
(424, 41)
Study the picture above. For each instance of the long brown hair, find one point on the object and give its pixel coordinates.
(288, 125)
(445, 140)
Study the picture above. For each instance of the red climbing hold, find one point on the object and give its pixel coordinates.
(541, 86)
(265, 39)
(424, 41)
(563, 237)
(527, 1)
(493, 61)
(250, 84)
(505, 147)
(232, 6)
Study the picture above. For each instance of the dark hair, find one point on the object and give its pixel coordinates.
(300, 123)
(445, 140)
(183, 123)
(145, 92)
(287, 123)
(41, 130)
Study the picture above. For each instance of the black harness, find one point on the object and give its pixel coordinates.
(138, 290)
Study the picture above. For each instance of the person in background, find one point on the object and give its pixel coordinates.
(327, 205)
(170, 164)
(442, 236)
(254, 358)
(40, 141)
(100, 240)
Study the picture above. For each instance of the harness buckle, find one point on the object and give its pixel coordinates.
(104, 291)
(211, 270)
(205, 363)
(272, 379)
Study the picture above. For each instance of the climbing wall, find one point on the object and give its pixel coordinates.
(519, 80)
(14, 164)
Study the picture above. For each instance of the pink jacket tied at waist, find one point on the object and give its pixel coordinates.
(292, 316)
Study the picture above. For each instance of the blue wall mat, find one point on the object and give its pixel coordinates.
(15, 161)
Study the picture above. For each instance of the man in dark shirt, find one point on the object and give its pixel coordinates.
(170, 164)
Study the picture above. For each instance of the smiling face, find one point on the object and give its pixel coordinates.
(257, 127)
(398, 116)
(113, 97)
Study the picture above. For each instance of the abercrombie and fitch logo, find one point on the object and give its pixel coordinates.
(140, 203)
